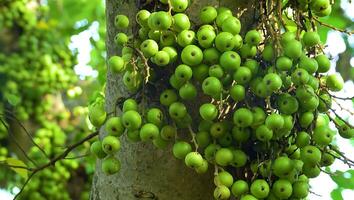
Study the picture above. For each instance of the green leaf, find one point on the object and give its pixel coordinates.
(352, 142)
(16, 162)
(284, 2)
(13, 99)
(344, 180)
(290, 25)
(343, 64)
(336, 194)
(79, 14)
(323, 33)
(337, 19)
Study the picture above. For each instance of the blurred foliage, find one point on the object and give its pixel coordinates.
(343, 65)
(73, 17)
(40, 90)
(339, 19)
(344, 180)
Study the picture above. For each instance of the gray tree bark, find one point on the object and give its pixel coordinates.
(148, 173)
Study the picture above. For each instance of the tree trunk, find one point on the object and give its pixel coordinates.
(148, 173)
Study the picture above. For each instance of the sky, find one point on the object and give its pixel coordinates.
(322, 185)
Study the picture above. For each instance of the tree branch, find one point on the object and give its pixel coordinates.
(342, 157)
(341, 98)
(343, 108)
(334, 111)
(279, 13)
(16, 143)
(56, 159)
(12, 116)
(339, 117)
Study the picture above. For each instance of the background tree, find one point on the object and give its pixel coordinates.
(41, 103)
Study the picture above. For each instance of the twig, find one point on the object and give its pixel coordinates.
(299, 24)
(341, 154)
(25, 184)
(216, 170)
(16, 143)
(332, 27)
(342, 108)
(193, 137)
(145, 61)
(56, 159)
(269, 105)
(326, 172)
(332, 119)
(169, 6)
(68, 150)
(339, 117)
(342, 159)
(12, 116)
(280, 16)
(312, 192)
(331, 109)
(341, 98)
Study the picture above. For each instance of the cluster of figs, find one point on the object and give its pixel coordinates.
(262, 120)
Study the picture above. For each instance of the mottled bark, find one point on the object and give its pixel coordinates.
(148, 173)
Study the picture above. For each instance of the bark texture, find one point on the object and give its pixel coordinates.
(149, 173)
